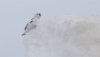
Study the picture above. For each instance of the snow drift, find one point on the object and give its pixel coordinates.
(67, 36)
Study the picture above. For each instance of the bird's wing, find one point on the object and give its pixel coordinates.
(32, 18)
(26, 26)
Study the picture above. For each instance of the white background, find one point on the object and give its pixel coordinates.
(14, 14)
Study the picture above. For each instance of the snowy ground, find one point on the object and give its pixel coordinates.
(67, 36)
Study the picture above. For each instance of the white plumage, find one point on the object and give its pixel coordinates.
(32, 23)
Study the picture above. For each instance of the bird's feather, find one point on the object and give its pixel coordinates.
(26, 26)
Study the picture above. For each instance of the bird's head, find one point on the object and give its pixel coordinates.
(38, 15)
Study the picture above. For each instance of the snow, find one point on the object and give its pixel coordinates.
(66, 36)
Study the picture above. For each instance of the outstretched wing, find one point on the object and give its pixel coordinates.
(26, 27)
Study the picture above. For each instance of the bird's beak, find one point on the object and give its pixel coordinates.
(39, 14)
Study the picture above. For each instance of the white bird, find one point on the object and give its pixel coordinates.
(32, 23)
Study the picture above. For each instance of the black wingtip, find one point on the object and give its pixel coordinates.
(23, 34)
(31, 21)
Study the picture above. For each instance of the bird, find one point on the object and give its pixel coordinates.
(32, 24)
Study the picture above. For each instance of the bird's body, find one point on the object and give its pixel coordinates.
(32, 23)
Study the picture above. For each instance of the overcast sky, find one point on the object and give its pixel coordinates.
(14, 14)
